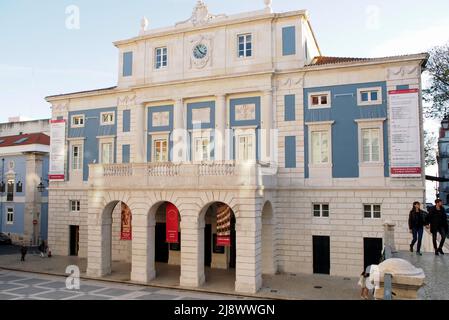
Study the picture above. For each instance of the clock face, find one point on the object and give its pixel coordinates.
(200, 51)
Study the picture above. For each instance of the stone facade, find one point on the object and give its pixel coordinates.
(271, 194)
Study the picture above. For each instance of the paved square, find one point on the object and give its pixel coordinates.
(9, 286)
(155, 296)
(57, 295)
(30, 282)
(113, 292)
(27, 291)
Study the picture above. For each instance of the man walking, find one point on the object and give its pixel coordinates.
(438, 224)
(23, 251)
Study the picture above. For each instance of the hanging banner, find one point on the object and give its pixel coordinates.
(405, 133)
(57, 150)
(223, 226)
(126, 231)
(172, 223)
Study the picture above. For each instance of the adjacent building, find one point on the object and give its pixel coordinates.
(24, 150)
(443, 160)
(237, 141)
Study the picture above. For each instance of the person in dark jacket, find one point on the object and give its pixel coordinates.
(438, 224)
(23, 251)
(416, 223)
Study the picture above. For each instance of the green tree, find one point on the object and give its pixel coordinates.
(430, 147)
(438, 92)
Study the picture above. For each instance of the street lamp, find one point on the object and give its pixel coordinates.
(445, 123)
(41, 187)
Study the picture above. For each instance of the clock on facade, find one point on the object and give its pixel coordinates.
(200, 51)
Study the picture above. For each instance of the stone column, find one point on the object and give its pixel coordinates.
(179, 133)
(266, 125)
(138, 121)
(143, 229)
(192, 251)
(220, 131)
(389, 235)
(249, 252)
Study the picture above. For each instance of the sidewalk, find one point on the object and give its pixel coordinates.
(285, 286)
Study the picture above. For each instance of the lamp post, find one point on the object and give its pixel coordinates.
(445, 123)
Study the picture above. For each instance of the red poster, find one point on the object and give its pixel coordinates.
(172, 223)
(223, 226)
(126, 231)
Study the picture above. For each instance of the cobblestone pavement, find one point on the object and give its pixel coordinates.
(436, 269)
(28, 286)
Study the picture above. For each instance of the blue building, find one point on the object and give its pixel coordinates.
(24, 165)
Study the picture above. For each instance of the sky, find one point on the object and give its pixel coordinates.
(44, 51)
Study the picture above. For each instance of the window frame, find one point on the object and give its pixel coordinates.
(103, 123)
(372, 211)
(320, 105)
(203, 136)
(245, 45)
(10, 194)
(154, 141)
(79, 157)
(370, 145)
(370, 102)
(161, 66)
(72, 121)
(75, 205)
(111, 152)
(377, 123)
(319, 126)
(10, 212)
(321, 209)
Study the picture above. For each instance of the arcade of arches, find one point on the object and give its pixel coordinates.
(125, 231)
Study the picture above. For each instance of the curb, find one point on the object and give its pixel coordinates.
(154, 285)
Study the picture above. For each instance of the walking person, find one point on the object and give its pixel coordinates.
(416, 223)
(438, 224)
(23, 251)
(42, 249)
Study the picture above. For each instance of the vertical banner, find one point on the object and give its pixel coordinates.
(223, 225)
(172, 223)
(405, 133)
(57, 150)
(126, 231)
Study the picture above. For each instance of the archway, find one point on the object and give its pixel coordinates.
(116, 240)
(220, 244)
(165, 218)
(269, 261)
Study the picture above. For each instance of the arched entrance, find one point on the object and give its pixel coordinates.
(220, 245)
(116, 240)
(269, 263)
(167, 242)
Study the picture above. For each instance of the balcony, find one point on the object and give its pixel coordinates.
(183, 175)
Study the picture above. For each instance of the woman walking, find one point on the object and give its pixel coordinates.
(416, 223)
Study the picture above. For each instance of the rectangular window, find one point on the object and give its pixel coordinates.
(202, 152)
(78, 121)
(10, 190)
(127, 64)
(161, 58)
(126, 120)
(106, 153)
(288, 41)
(319, 100)
(10, 216)
(371, 145)
(160, 150)
(321, 210)
(126, 150)
(369, 96)
(371, 211)
(245, 148)
(77, 157)
(289, 103)
(75, 205)
(290, 152)
(245, 45)
(107, 118)
(320, 147)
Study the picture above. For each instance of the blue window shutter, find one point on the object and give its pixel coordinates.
(127, 64)
(126, 120)
(289, 111)
(288, 41)
(126, 149)
(290, 152)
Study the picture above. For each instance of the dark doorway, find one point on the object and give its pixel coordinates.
(321, 254)
(232, 257)
(372, 251)
(208, 245)
(74, 240)
(161, 249)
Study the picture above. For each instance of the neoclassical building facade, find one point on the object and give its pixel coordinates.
(240, 112)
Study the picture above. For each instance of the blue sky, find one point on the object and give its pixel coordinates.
(41, 57)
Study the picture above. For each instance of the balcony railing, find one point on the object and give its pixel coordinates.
(182, 175)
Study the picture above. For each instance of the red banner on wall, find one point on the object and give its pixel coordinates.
(223, 226)
(172, 223)
(126, 231)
